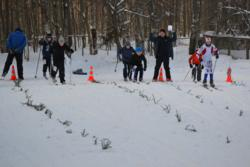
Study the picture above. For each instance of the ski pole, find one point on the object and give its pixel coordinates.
(215, 65)
(116, 65)
(37, 65)
(117, 60)
(187, 74)
(70, 69)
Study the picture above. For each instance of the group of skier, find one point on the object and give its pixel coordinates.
(134, 60)
(53, 54)
(202, 59)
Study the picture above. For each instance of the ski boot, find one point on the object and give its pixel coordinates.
(44, 75)
(205, 83)
(212, 83)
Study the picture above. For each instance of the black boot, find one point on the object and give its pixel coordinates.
(212, 83)
(44, 75)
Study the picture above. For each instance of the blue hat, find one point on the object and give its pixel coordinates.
(138, 49)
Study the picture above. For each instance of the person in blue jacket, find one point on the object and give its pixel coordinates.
(125, 54)
(16, 43)
(47, 53)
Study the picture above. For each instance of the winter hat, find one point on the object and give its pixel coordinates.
(18, 29)
(127, 43)
(163, 30)
(61, 40)
(49, 35)
(208, 33)
(138, 50)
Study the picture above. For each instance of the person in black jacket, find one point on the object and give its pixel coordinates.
(163, 51)
(47, 53)
(125, 55)
(59, 48)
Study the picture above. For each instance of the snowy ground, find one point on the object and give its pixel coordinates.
(133, 116)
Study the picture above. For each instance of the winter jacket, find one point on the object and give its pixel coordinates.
(195, 58)
(58, 52)
(164, 46)
(16, 42)
(137, 60)
(47, 48)
(126, 54)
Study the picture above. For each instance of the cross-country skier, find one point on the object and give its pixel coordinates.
(125, 55)
(59, 48)
(207, 50)
(16, 43)
(137, 59)
(196, 66)
(47, 53)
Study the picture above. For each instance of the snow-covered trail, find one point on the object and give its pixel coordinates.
(131, 115)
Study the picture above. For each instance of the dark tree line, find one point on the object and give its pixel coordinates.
(113, 20)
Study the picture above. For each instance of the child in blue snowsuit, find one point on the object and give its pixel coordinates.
(137, 59)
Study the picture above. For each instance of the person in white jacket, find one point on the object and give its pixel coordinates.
(207, 50)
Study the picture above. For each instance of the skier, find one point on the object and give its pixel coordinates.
(47, 53)
(16, 43)
(125, 55)
(163, 51)
(206, 51)
(136, 61)
(196, 66)
(59, 48)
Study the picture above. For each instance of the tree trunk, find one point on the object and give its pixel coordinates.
(195, 28)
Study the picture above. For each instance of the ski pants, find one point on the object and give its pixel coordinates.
(196, 72)
(126, 70)
(59, 67)
(165, 62)
(19, 61)
(139, 70)
(46, 63)
(208, 71)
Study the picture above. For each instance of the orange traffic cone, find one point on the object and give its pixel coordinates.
(229, 78)
(161, 75)
(91, 74)
(13, 74)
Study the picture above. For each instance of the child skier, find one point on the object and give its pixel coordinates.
(47, 53)
(125, 55)
(137, 60)
(59, 48)
(195, 65)
(206, 51)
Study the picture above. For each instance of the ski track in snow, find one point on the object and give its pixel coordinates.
(141, 120)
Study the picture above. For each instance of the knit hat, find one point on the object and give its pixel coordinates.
(61, 40)
(163, 30)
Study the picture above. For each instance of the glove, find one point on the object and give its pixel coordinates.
(119, 58)
(71, 51)
(217, 56)
(190, 65)
(200, 59)
(11, 51)
(202, 67)
(172, 58)
(145, 69)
